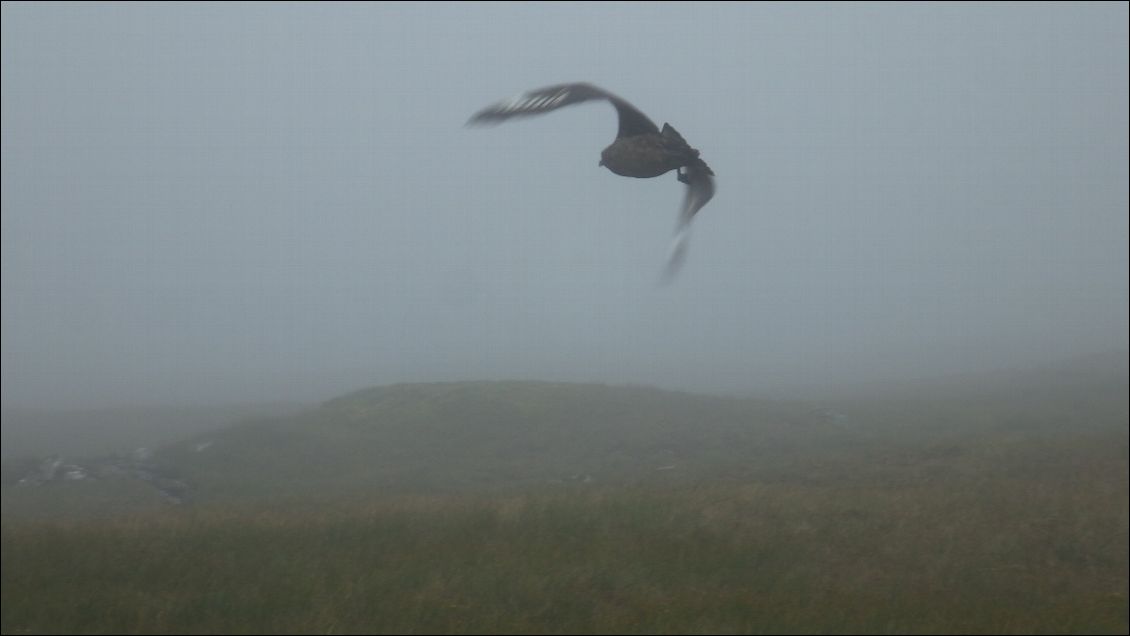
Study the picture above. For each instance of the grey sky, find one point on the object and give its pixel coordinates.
(218, 202)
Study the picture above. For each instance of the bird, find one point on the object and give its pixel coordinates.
(641, 149)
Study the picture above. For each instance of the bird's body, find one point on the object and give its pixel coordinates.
(640, 150)
(648, 154)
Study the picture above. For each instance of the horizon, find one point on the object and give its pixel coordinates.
(871, 386)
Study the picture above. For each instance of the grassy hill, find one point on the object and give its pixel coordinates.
(471, 437)
(995, 505)
(512, 437)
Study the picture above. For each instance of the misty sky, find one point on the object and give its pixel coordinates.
(224, 202)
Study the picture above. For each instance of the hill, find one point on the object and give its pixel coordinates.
(525, 507)
(510, 437)
(475, 437)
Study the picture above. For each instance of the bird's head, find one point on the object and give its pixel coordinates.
(604, 159)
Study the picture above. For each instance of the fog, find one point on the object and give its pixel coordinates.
(251, 202)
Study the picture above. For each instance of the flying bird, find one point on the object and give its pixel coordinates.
(641, 149)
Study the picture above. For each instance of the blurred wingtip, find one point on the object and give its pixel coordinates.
(677, 257)
(479, 119)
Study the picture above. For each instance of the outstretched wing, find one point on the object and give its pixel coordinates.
(700, 189)
(543, 100)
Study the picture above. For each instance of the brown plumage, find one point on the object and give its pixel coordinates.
(640, 149)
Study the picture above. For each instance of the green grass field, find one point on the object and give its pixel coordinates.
(1003, 513)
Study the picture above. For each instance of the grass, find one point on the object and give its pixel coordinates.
(447, 509)
(1018, 536)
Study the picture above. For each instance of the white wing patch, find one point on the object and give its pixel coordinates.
(541, 102)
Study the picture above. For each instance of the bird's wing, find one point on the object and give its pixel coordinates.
(543, 100)
(700, 189)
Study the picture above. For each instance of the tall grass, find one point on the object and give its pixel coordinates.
(1022, 536)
